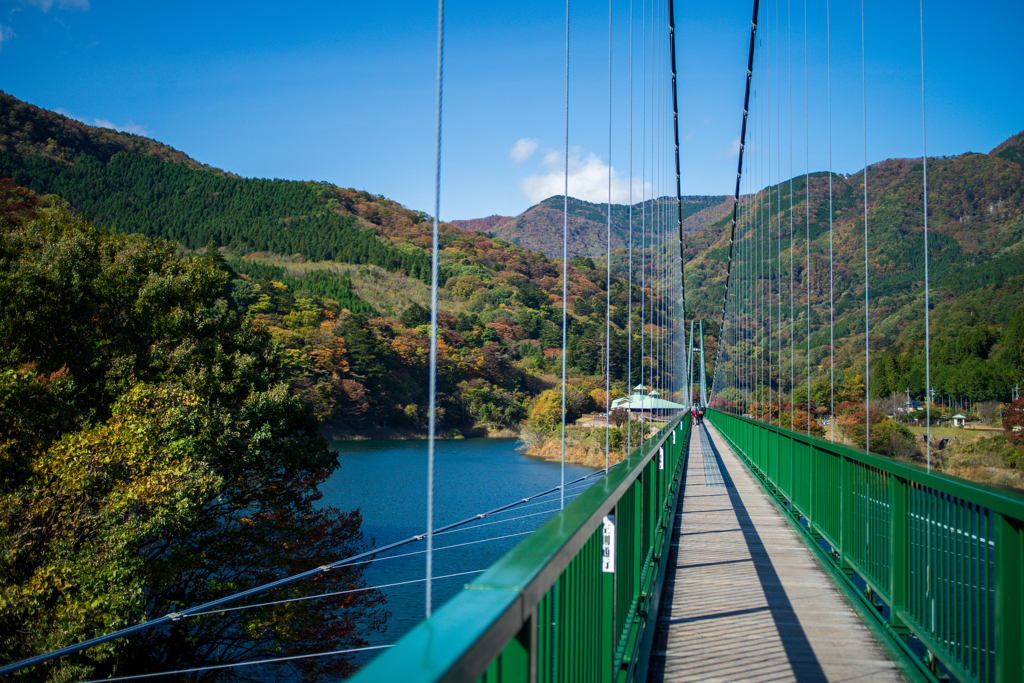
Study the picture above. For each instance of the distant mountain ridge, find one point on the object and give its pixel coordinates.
(30, 130)
(479, 224)
(976, 253)
(539, 228)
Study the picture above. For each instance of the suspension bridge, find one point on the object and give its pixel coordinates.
(735, 549)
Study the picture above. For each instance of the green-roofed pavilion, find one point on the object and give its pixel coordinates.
(643, 403)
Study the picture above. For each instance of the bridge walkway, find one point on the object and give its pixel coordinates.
(744, 599)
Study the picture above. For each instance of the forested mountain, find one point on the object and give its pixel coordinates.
(508, 299)
(133, 184)
(976, 242)
(280, 227)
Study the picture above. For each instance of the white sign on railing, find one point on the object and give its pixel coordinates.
(673, 438)
(608, 545)
(661, 458)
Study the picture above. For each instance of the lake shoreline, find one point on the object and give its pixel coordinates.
(346, 433)
(551, 451)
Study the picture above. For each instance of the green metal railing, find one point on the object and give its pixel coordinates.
(548, 610)
(944, 555)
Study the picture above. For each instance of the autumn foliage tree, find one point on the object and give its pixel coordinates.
(153, 456)
(1013, 423)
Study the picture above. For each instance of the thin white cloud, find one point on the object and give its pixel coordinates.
(130, 127)
(46, 5)
(5, 34)
(523, 149)
(734, 146)
(588, 180)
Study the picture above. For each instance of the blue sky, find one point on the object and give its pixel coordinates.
(344, 91)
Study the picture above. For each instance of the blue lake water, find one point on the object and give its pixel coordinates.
(387, 482)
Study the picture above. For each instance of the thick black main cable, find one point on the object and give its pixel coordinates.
(208, 606)
(675, 126)
(739, 173)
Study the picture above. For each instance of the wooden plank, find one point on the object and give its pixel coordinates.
(744, 599)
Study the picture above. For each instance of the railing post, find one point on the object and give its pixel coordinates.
(1009, 540)
(812, 488)
(519, 658)
(899, 560)
(607, 634)
(845, 512)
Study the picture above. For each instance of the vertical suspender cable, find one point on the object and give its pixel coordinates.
(867, 318)
(807, 214)
(432, 427)
(778, 188)
(927, 330)
(739, 173)
(608, 264)
(768, 262)
(565, 250)
(755, 261)
(831, 272)
(655, 179)
(760, 246)
(792, 319)
(765, 180)
(643, 215)
(754, 269)
(748, 298)
(629, 288)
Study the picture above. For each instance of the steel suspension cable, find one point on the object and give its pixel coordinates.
(320, 596)
(807, 214)
(778, 187)
(754, 366)
(608, 265)
(629, 292)
(760, 241)
(927, 293)
(739, 174)
(565, 243)
(643, 212)
(656, 193)
(792, 310)
(768, 223)
(831, 271)
(675, 128)
(355, 560)
(867, 319)
(432, 418)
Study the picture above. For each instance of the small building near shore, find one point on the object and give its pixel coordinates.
(958, 420)
(592, 421)
(644, 406)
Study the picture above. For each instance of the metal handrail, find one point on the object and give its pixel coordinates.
(944, 555)
(546, 611)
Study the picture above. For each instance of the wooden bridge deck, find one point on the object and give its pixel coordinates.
(744, 599)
